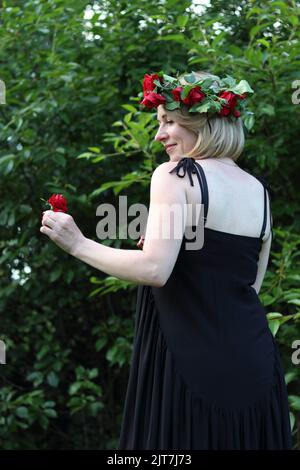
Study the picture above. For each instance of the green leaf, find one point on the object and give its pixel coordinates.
(95, 408)
(294, 20)
(268, 109)
(182, 20)
(73, 389)
(294, 302)
(49, 404)
(290, 376)
(53, 379)
(171, 37)
(86, 155)
(7, 164)
(100, 343)
(186, 90)
(129, 108)
(242, 87)
(274, 326)
(249, 123)
(264, 42)
(256, 29)
(44, 422)
(91, 99)
(172, 106)
(190, 78)
(50, 413)
(206, 84)
(22, 412)
(201, 108)
(69, 275)
(94, 149)
(93, 373)
(43, 351)
(118, 124)
(56, 273)
(11, 220)
(292, 420)
(274, 315)
(60, 159)
(294, 402)
(25, 209)
(43, 30)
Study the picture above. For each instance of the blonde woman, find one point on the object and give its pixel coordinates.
(206, 373)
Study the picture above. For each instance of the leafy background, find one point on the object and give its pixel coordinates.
(71, 124)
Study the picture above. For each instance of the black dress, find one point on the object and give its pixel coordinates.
(206, 372)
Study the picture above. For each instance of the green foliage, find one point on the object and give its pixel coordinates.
(281, 292)
(71, 124)
(26, 411)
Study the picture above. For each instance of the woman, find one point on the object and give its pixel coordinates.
(206, 372)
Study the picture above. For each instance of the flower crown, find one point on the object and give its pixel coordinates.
(211, 94)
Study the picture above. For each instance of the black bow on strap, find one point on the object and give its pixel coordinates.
(188, 166)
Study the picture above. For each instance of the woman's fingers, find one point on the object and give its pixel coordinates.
(47, 220)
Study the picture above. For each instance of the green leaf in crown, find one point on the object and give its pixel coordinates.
(208, 105)
(242, 87)
(169, 79)
(228, 82)
(169, 99)
(186, 90)
(172, 105)
(190, 78)
(206, 84)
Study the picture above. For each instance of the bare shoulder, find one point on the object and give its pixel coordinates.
(239, 174)
(162, 174)
(165, 187)
(164, 168)
(169, 185)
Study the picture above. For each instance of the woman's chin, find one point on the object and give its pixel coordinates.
(174, 157)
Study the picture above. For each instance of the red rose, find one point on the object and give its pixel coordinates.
(236, 113)
(152, 100)
(231, 99)
(176, 93)
(148, 84)
(195, 95)
(58, 203)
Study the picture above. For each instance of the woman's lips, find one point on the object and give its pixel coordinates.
(170, 146)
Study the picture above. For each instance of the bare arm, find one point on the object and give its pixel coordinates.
(131, 265)
(154, 264)
(262, 263)
(264, 252)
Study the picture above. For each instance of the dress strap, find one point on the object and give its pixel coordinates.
(267, 191)
(190, 166)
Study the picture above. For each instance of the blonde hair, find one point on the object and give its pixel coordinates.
(226, 137)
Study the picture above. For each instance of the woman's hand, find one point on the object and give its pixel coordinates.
(62, 230)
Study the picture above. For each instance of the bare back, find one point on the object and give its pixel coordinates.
(236, 200)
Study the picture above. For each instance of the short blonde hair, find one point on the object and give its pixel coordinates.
(226, 137)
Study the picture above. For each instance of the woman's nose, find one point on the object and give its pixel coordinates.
(161, 135)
